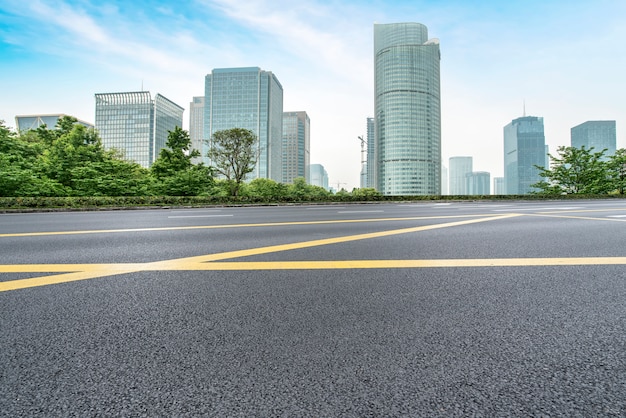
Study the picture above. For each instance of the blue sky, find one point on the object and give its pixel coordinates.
(564, 59)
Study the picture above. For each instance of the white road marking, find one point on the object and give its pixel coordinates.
(196, 216)
(361, 211)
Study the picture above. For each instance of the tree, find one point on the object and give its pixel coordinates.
(300, 190)
(232, 153)
(616, 167)
(174, 170)
(176, 156)
(574, 171)
(266, 188)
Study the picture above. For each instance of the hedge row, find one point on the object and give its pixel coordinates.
(39, 203)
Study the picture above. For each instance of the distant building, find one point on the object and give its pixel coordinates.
(319, 176)
(196, 127)
(524, 148)
(445, 190)
(252, 99)
(28, 122)
(408, 110)
(460, 167)
(478, 183)
(136, 124)
(370, 165)
(296, 146)
(599, 134)
(498, 186)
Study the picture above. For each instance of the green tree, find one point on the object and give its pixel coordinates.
(69, 151)
(19, 171)
(616, 168)
(366, 192)
(174, 170)
(300, 190)
(266, 188)
(232, 153)
(574, 171)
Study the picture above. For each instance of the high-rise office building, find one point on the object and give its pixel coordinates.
(136, 124)
(196, 127)
(599, 134)
(524, 149)
(28, 122)
(477, 183)
(370, 165)
(319, 176)
(296, 146)
(252, 99)
(408, 110)
(498, 186)
(460, 167)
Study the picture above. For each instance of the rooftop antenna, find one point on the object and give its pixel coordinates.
(524, 107)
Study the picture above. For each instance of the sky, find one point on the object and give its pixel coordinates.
(563, 60)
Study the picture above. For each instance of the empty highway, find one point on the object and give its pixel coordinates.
(486, 308)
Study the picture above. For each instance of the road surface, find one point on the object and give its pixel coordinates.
(428, 309)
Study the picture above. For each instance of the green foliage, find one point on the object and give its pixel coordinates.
(174, 172)
(232, 153)
(616, 167)
(575, 171)
(299, 190)
(177, 155)
(266, 189)
(366, 192)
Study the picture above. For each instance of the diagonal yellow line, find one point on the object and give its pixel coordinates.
(588, 218)
(320, 242)
(90, 271)
(397, 264)
(256, 225)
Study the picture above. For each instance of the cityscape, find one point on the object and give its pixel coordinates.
(487, 154)
(408, 208)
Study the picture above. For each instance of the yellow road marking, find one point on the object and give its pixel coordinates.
(75, 272)
(399, 264)
(555, 211)
(326, 241)
(588, 218)
(268, 224)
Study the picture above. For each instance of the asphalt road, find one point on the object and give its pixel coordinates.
(427, 309)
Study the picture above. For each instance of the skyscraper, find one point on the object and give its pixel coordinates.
(28, 122)
(599, 134)
(296, 146)
(407, 110)
(136, 124)
(196, 127)
(319, 176)
(248, 98)
(524, 148)
(477, 183)
(498, 186)
(460, 167)
(370, 170)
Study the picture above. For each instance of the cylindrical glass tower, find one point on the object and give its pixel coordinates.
(407, 110)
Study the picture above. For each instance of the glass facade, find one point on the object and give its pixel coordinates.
(524, 148)
(408, 111)
(319, 176)
(28, 122)
(370, 171)
(460, 167)
(135, 124)
(252, 99)
(599, 134)
(296, 146)
(478, 183)
(196, 127)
